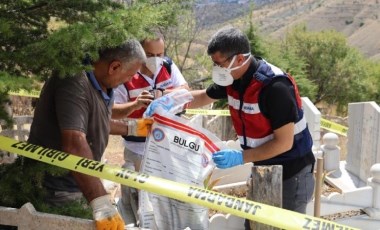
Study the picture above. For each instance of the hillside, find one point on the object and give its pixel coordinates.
(211, 12)
(358, 20)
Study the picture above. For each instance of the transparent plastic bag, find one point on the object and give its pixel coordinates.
(172, 103)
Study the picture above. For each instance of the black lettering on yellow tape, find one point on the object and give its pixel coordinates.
(126, 173)
(325, 124)
(315, 224)
(217, 112)
(251, 210)
(90, 164)
(25, 146)
(51, 154)
(334, 127)
(25, 93)
(246, 206)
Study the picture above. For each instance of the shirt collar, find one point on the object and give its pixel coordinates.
(107, 97)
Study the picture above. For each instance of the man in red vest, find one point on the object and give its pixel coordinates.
(158, 76)
(266, 112)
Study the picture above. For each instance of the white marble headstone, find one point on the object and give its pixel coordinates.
(363, 146)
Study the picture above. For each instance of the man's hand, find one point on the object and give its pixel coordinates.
(105, 214)
(228, 158)
(144, 99)
(139, 127)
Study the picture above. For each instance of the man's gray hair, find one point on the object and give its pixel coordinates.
(229, 41)
(127, 52)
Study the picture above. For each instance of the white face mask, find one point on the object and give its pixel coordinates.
(154, 64)
(222, 76)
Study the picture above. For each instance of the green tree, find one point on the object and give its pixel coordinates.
(280, 54)
(285, 57)
(39, 37)
(337, 70)
(180, 38)
(374, 78)
(255, 40)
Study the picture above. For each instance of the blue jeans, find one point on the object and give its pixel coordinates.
(297, 191)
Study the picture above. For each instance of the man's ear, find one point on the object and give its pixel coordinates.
(240, 58)
(114, 66)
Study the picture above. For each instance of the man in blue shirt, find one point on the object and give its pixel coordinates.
(74, 115)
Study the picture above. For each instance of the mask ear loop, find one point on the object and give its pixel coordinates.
(232, 62)
(237, 67)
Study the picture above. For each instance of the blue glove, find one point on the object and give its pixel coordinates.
(228, 158)
(164, 102)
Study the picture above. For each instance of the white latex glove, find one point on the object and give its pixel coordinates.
(105, 214)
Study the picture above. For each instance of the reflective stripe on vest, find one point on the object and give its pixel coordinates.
(251, 125)
(249, 108)
(255, 142)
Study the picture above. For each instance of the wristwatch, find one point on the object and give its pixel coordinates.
(158, 92)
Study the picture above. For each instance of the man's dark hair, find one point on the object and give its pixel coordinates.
(127, 52)
(229, 41)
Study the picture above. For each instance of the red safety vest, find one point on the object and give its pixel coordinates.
(138, 84)
(252, 127)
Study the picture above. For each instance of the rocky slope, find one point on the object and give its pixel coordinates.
(357, 19)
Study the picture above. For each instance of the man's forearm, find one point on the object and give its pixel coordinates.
(91, 187)
(200, 99)
(74, 142)
(118, 127)
(120, 111)
(185, 86)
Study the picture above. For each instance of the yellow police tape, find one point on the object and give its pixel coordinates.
(325, 124)
(25, 93)
(217, 112)
(255, 211)
(334, 127)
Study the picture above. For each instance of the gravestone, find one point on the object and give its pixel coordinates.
(363, 150)
(313, 119)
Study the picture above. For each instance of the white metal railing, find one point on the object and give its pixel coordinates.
(19, 131)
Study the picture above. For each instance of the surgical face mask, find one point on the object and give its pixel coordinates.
(222, 76)
(154, 64)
